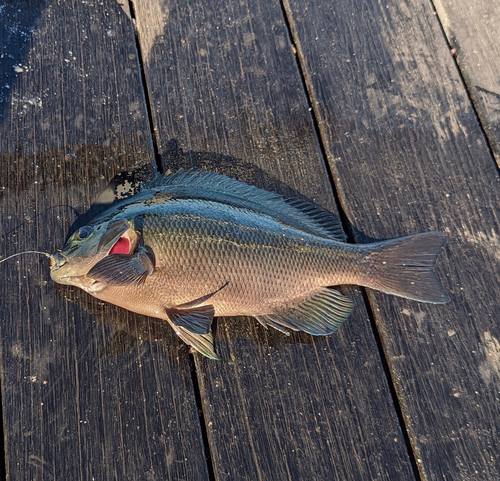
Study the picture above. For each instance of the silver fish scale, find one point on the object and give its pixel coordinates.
(264, 270)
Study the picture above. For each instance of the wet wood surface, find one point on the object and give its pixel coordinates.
(355, 107)
(224, 80)
(472, 32)
(74, 115)
(408, 155)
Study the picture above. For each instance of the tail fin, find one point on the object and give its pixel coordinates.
(405, 267)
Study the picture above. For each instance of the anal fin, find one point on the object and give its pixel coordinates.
(320, 314)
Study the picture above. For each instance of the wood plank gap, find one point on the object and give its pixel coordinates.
(147, 96)
(201, 414)
(453, 44)
(2, 437)
(351, 239)
(159, 166)
(346, 225)
(392, 386)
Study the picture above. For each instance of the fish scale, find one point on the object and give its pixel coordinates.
(252, 261)
(196, 244)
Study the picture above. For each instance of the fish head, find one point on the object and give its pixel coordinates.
(89, 245)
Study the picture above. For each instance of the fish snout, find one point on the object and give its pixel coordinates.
(57, 260)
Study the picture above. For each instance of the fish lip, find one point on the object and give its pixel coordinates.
(57, 260)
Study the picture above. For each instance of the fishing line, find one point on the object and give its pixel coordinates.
(26, 252)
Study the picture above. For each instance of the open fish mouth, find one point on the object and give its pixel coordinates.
(121, 246)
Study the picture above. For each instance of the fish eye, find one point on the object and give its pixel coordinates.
(84, 232)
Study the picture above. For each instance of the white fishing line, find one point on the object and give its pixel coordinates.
(26, 252)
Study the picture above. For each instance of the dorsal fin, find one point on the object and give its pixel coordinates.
(291, 211)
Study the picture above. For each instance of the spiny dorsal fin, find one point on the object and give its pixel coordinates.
(296, 213)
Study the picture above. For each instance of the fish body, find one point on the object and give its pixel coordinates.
(194, 245)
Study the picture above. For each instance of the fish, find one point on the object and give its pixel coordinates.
(195, 245)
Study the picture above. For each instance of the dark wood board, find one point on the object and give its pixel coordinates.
(226, 95)
(472, 32)
(72, 116)
(407, 155)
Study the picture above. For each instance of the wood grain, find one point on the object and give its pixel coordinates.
(408, 155)
(472, 32)
(226, 95)
(73, 115)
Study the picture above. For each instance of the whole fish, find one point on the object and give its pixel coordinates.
(195, 244)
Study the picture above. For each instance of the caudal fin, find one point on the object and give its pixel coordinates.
(405, 267)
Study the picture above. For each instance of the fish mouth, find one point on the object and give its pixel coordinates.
(63, 272)
(57, 260)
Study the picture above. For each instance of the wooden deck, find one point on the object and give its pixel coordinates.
(357, 106)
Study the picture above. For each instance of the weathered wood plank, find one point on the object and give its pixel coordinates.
(227, 96)
(73, 115)
(408, 155)
(472, 31)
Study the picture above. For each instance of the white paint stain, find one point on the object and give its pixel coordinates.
(152, 27)
(490, 368)
(488, 241)
(419, 317)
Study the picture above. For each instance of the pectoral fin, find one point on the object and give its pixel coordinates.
(196, 320)
(320, 314)
(124, 269)
(201, 300)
